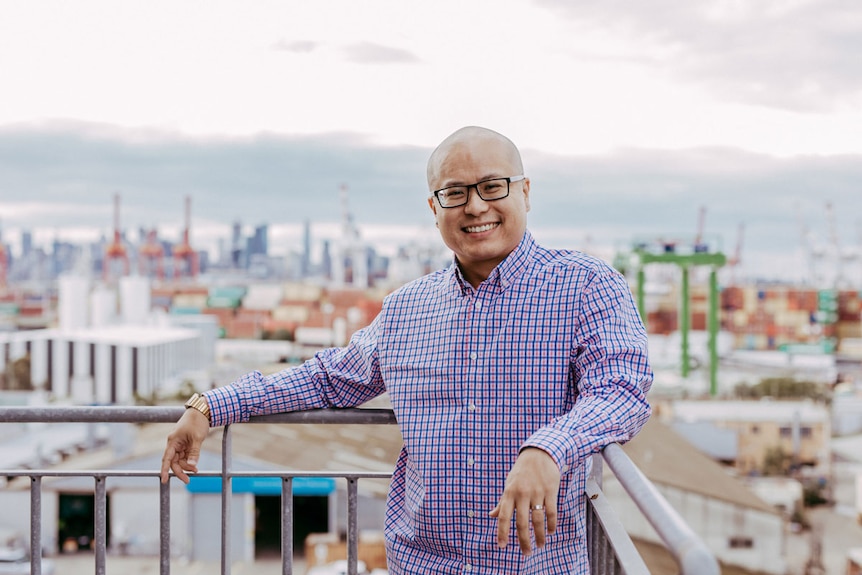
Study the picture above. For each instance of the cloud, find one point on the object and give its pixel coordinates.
(61, 177)
(792, 54)
(370, 53)
(297, 46)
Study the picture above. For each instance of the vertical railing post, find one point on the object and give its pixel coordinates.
(35, 526)
(101, 531)
(352, 523)
(597, 469)
(287, 526)
(164, 528)
(226, 490)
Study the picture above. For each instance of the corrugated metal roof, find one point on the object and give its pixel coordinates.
(667, 458)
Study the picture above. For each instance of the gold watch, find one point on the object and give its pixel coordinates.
(199, 402)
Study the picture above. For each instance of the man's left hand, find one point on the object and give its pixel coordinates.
(531, 489)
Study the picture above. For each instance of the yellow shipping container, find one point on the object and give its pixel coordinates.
(190, 300)
(302, 292)
(290, 313)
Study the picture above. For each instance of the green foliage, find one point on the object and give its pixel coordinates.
(279, 335)
(17, 376)
(776, 462)
(783, 388)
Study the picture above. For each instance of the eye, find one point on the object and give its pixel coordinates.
(454, 194)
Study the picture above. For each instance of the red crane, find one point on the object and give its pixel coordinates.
(733, 261)
(183, 252)
(4, 263)
(152, 254)
(115, 250)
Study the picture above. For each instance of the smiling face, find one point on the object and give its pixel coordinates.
(480, 233)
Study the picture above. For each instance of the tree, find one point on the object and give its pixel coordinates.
(19, 376)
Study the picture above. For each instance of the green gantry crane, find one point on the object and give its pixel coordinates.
(699, 256)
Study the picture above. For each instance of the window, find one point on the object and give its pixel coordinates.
(741, 542)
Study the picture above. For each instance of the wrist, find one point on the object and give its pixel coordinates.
(199, 403)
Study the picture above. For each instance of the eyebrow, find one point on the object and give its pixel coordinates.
(492, 176)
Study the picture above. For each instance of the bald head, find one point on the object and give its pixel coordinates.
(470, 137)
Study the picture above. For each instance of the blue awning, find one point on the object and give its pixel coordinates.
(263, 485)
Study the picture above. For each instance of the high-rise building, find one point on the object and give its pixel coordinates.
(258, 244)
(305, 263)
(26, 243)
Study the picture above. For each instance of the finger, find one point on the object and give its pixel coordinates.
(522, 523)
(180, 472)
(170, 453)
(503, 513)
(538, 518)
(551, 516)
(194, 455)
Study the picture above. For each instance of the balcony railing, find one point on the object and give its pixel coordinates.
(611, 550)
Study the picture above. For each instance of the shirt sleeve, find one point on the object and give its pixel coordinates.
(612, 372)
(335, 377)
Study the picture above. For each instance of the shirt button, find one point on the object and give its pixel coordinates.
(468, 567)
(471, 461)
(564, 468)
(471, 407)
(470, 514)
(473, 355)
(478, 305)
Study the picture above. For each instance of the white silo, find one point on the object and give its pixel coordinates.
(103, 307)
(73, 302)
(134, 299)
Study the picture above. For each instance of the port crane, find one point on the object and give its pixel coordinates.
(115, 250)
(183, 253)
(151, 255)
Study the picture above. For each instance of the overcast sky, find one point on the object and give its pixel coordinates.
(631, 115)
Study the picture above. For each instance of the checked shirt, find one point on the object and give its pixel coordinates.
(548, 352)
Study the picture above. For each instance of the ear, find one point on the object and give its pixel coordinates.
(526, 188)
(433, 206)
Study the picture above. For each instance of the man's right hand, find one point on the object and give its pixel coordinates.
(184, 445)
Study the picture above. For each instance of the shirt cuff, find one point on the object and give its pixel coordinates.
(558, 444)
(224, 406)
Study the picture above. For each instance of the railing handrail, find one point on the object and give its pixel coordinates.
(689, 551)
(170, 414)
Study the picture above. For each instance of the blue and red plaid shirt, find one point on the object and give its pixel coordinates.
(548, 352)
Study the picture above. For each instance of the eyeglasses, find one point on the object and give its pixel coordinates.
(488, 190)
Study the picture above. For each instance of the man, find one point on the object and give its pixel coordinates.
(506, 371)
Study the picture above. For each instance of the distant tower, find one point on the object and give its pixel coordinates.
(236, 246)
(305, 265)
(258, 244)
(4, 262)
(183, 252)
(326, 260)
(115, 250)
(351, 266)
(26, 243)
(151, 255)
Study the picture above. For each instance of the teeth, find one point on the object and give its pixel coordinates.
(477, 229)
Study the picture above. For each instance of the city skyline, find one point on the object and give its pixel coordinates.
(60, 182)
(631, 118)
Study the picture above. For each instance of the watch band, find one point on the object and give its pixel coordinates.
(199, 402)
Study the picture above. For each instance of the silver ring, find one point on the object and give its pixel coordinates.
(538, 507)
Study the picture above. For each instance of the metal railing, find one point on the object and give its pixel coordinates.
(611, 550)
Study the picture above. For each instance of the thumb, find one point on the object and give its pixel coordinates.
(495, 511)
(194, 454)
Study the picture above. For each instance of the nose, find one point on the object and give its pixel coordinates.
(475, 204)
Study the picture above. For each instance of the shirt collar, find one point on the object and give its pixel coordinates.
(506, 271)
